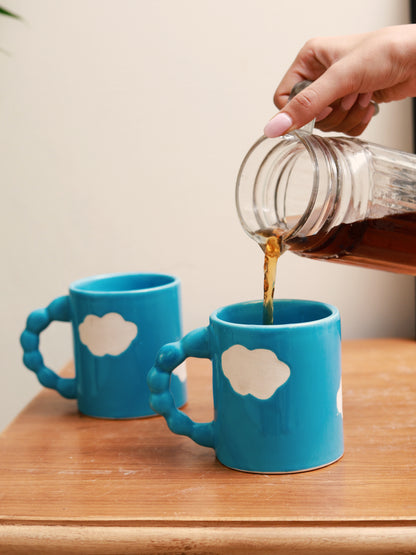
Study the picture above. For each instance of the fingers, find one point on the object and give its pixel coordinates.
(333, 107)
(324, 114)
(358, 129)
(312, 102)
(348, 118)
(345, 79)
(339, 117)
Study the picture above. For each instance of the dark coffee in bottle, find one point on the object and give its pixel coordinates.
(387, 243)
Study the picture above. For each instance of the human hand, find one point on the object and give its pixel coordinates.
(347, 73)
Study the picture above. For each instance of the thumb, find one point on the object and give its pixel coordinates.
(305, 106)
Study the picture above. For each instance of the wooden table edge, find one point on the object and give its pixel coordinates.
(208, 539)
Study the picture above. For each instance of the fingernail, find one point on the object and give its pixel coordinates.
(368, 115)
(364, 100)
(278, 125)
(324, 114)
(348, 101)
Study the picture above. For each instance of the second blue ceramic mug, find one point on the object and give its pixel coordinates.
(119, 322)
(277, 389)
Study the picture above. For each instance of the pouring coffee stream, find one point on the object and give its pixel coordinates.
(329, 198)
(273, 247)
(272, 251)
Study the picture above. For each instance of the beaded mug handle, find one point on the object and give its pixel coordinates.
(194, 344)
(39, 320)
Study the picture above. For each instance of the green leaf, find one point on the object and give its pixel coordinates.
(3, 11)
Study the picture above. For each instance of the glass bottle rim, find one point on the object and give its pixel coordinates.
(249, 175)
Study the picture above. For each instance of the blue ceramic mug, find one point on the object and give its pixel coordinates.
(119, 323)
(277, 389)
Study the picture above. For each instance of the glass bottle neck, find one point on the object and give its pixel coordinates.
(300, 184)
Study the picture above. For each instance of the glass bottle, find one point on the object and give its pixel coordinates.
(331, 198)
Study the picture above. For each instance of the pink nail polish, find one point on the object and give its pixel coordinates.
(348, 101)
(324, 114)
(278, 125)
(364, 100)
(368, 115)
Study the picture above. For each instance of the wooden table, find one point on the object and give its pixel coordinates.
(73, 484)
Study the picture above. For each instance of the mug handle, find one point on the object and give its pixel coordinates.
(38, 320)
(194, 344)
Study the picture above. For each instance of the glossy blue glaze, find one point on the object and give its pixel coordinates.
(111, 384)
(294, 426)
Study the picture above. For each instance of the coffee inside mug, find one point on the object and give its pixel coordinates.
(288, 312)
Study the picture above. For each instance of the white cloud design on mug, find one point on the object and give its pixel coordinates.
(110, 334)
(339, 399)
(258, 372)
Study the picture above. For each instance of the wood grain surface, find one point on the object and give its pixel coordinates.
(87, 485)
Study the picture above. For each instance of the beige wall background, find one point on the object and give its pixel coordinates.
(122, 128)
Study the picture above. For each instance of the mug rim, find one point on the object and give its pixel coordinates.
(85, 285)
(333, 314)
